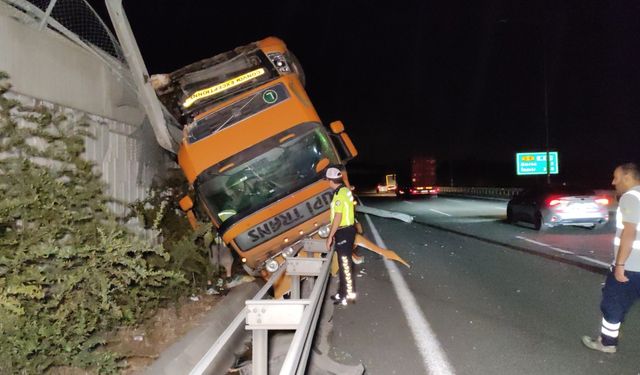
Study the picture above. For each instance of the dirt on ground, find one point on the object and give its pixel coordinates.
(142, 345)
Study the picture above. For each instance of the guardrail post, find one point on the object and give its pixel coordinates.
(295, 287)
(265, 315)
(299, 315)
(260, 356)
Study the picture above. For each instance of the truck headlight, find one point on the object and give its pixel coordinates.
(324, 231)
(271, 265)
(280, 62)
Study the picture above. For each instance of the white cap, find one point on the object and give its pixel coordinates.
(333, 173)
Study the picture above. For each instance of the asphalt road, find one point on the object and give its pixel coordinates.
(481, 296)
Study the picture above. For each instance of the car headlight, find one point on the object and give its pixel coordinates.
(324, 231)
(288, 251)
(271, 265)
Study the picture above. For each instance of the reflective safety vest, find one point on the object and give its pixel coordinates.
(343, 202)
(629, 211)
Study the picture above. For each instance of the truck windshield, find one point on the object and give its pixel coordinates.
(265, 173)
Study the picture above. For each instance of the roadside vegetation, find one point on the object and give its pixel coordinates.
(70, 270)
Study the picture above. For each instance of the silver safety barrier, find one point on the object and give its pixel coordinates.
(299, 314)
(488, 192)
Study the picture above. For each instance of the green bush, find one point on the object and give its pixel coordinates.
(188, 249)
(69, 272)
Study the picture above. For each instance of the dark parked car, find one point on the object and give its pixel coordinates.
(547, 207)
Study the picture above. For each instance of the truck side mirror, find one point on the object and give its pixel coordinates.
(346, 150)
(322, 164)
(186, 204)
(349, 145)
(337, 127)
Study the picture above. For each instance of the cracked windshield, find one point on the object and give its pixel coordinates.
(288, 164)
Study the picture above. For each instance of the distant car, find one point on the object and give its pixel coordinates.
(549, 207)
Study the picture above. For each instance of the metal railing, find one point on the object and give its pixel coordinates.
(296, 313)
(486, 192)
(77, 21)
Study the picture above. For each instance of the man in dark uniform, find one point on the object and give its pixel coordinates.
(343, 234)
(622, 286)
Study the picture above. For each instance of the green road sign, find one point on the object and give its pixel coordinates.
(530, 163)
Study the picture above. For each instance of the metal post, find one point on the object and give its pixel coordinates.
(47, 13)
(546, 96)
(260, 349)
(546, 123)
(146, 94)
(295, 287)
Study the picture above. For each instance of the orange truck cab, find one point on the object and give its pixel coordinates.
(254, 150)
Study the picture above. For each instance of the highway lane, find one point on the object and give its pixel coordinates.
(492, 309)
(486, 219)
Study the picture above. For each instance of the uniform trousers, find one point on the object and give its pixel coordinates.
(617, 298)
(344, 239)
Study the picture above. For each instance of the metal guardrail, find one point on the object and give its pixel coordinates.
(296, 313)
(489, 192)
(77, 21)
(506, 193)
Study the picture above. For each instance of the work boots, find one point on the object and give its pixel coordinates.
(596, 344)
(338, 300)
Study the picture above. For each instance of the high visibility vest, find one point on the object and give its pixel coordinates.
(343, 202)
(628, 212)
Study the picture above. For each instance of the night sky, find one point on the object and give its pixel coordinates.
(463, 81)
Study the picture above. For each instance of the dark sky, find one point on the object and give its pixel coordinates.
(460, 80)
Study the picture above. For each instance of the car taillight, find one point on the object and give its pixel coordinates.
(553, 202)
(603, 201)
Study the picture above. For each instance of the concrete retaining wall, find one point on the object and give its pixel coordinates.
(47, 68)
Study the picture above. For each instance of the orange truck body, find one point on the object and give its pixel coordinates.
(249, 123)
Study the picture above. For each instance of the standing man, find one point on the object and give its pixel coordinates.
(622, 286)
(343, 234)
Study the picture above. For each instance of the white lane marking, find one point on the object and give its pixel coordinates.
(545, 245)
(606, 265)
(561, 250)
(439, 212)
(434, 358)
(600, 263)
(407, 202)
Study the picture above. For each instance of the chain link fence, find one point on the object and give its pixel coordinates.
(75, 19)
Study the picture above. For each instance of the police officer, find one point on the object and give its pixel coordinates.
(622, 286)
(343, 233)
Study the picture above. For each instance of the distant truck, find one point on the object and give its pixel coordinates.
(419, 179)
(390, 184)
